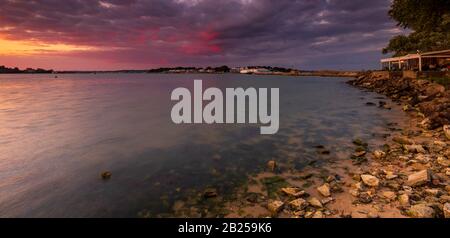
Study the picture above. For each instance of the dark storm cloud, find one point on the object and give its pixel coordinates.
(299, 33)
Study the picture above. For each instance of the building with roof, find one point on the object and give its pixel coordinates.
(426, 61)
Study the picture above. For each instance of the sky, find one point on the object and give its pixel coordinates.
(143, 34)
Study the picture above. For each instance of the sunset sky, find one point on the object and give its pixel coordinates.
(142, 34)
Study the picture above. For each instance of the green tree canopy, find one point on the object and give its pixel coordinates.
(429, 21)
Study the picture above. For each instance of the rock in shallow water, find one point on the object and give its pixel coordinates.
(106, 175)
(271, 165)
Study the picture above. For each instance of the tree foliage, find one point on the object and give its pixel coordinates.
(429, 21)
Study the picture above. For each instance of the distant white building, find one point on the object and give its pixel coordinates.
(255, 71)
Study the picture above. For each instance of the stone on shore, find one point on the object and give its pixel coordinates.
(433, 90)
(315, 202)
(294, 192)
(443, 161)
(318, 215)
(275, 206)
(324, 190)
(370, 180)
(378, 154)
(404, 199)
(446, 129)
(298, 204)
(414, 148)
(365, 198)
(419, 178)
(390, 175)
(446, 209)
(421, 211)
(389, 195)
(403, 140)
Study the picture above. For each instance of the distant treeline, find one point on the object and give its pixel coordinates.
(6, 70)
(221, 69)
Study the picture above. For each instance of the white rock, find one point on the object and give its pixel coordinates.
(370, 180)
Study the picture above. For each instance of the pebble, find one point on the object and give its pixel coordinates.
(298, 204)
(294, 192)
(378, 154)
(404, 199)
(315, 202)
(403, 140)
(389, 195)
(446, 130)
(421, 211)
(418, 179)
(272, 165)
(365, 198)
(370, 180)
(275, 206)
(318, 215)
(446, 209)
(106, 175)
(324, 190)
(414, 148)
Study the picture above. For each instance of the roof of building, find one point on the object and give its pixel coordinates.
(415, 56)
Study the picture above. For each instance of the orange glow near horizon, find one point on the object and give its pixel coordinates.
(23, 48)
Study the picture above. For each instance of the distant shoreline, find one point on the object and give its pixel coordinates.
(320, 73)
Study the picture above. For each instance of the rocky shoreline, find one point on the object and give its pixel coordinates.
(408, 176)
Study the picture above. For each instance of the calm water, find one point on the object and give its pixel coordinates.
(58, 135)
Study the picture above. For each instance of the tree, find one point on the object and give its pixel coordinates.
(429, 21)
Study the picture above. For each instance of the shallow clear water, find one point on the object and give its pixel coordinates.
(58, 135)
